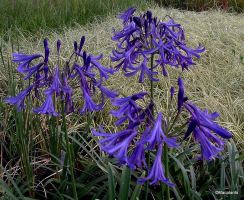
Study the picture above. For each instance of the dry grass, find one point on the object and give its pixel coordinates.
(215, 83)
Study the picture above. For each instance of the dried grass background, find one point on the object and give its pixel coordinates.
(216, 83)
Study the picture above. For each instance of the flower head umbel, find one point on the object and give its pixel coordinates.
(57, 82)
(144, 36)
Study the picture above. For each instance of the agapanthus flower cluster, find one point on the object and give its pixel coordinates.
(145, 132)
(59, 81)
(143, 36)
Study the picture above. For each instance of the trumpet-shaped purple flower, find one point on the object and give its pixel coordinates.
(138, 155)
(57, 86)
(125, 16)
(120, 150)
(109, 93)
(34, 69)
(24, 67)
(103, 71)
(127, 105)
(26, 60)
(157, 173)
(156, 134)
(201, 126)
(208, 149)
(143, 68)
(193, 52)
(47, 107)
(89, 104)
(19, 99)
(127, 62)
(116, 144)
(111, 139)
(42, 79)
(202, 119)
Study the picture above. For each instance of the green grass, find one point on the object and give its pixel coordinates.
(201, 5)
(36, 15)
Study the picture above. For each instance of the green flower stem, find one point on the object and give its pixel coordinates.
(148, 152)
(166, 168)
(147, 182)
(175, 119)
(69, 154)
(152, 84)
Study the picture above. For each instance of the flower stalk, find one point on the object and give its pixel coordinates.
(148, 152)
(166, 168)
(69, 154)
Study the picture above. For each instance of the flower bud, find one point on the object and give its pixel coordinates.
(75, 45)
(82, 43)
(58, 45)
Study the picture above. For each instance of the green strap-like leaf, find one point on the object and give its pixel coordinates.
(186, 181)
(125, 183)
(137, 189)
(111, 182)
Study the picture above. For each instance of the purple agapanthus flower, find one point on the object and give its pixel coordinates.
(127, 105)
(47, 107)
(125, 16)
(202, 119)
(156, 134)
(138, 155)
(19, 99)
(208, 149)
(103, 71)
(26, 60)
(109, 93)
(157, 173)
(143, 68)
(120, 150)
(57, 86)
(134, 140)
(89, 104)
(111, 139)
